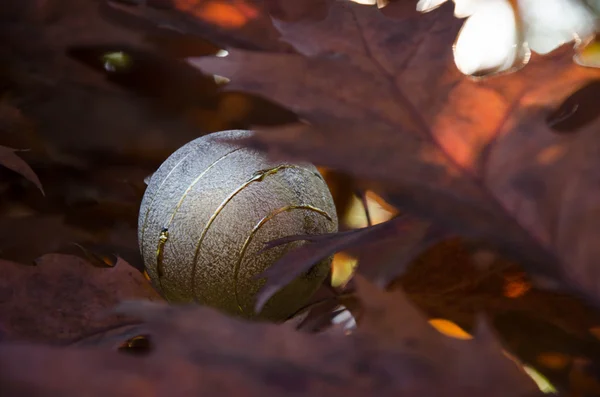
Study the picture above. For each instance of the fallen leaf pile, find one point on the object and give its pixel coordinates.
(481, 280)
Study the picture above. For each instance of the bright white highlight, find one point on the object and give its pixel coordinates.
(488, 41)
(548, 24)
(220, 79)
(222, 53)
(345, 319)
(429, 5)
(466, 8)
(365, 2)
(493, 39)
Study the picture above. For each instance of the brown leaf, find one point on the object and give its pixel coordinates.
(238, 23)
(385, 259)
(180, 45)
(298, 10)
(302, 259)
(198, 351)
(407, 331)
(112, 338)
(476, 156)
(64, 298)
(17, 131)
(171, 82)
(44, 81)
(446, 282)
(10, 160)
(46, 65)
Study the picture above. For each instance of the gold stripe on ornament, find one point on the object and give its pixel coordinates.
(164, 234)
(258, 176)
(160, 252)
(255, 230)
(145, 224)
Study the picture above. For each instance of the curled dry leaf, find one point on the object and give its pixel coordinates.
(64, 298)
(9, 159)
(478, 157)
(198, 351)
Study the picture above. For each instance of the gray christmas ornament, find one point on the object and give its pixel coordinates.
(209, 209)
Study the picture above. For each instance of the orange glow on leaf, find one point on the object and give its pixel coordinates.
(229, 15)
(449, 328)
(248, 10)
(223, 15)
(595, 331)
(553, 360)
(108, 260)
(516, 286)
(465, 127)
(342, 269)
(551, 154)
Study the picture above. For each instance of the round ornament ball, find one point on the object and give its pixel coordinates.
(209, 210)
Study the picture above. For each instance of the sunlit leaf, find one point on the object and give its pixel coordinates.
(544, 385)
(450, 329)
(342, 268)
(230, 15)
(589, 55)
(379, 211)
(489, 40)
(116, 61)
(516, 285)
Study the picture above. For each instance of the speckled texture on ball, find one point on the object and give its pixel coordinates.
(209, 209)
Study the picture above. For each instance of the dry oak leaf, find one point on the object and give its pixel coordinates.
(64, 298)
(383, 100)
(198, 351)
